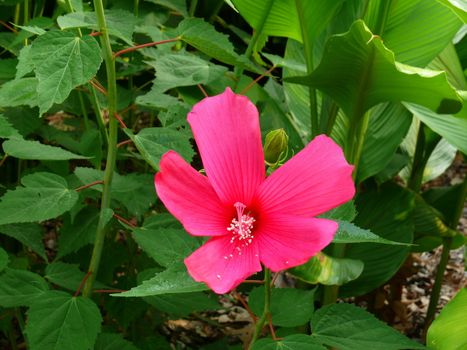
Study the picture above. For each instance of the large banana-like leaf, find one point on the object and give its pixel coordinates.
(359, 72)
(281, 18)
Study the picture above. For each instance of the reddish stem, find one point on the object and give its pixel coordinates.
(202, 90)
(245, 305)
(98, 87)
(274, 278)
(7, 26)
(100, 182)
(137, 47)
(253, 281)
(249, 86)
(271, 328)
(123, 143)
(120, 120)
(95, 34)
(108, 291)
(125, 221)
(83, 281)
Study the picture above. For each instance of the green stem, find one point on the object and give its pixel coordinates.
(26, 12)
(193, 5)
(97, 111)
(357, 151)
(267, 302)
(332, 292)
(136, 8)
(254, 39)
(17, 13)
(434, 298)
(111, 149)
(419, 162)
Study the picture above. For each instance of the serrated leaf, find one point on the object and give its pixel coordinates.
(113, 341)
(358, 61)
(291, 342)
(167, 245)
(3, 259)
(25, 149)
(348, 327)
(62, 62)
(60, 321)
(171, 281)
(152, 143)
(25, 64)
(19, 92)
(120, 23)
(290, 307)
(204, 37)
(350, 233)
(68, 276)
(173, 70)
(30, 234)
(20, 287)
(80, 232)
(345, 212)
(44, 196)
(448, 330)
(328, 270)
(7, 131)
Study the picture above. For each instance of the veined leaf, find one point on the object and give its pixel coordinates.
(19, 92)
(176, 5)
(458, 7)
(350, 233)
(20, 287)
(291, 342)
(68, 276)
(7, 131)
(44, 196)
(30, 234)
(3, 259)
(113, 341)
(25, 149)
(328, 270)
(60, 321)
(368, 75)
(348, 327)
(62, 62)
(152, 143)
(171, 281)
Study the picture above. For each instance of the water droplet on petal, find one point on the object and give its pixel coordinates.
(286, 262)
(218, 276)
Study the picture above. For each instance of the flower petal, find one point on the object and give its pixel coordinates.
(226, 130)
(221, 265)
(316, 179)
(189, 196)
(288, 241)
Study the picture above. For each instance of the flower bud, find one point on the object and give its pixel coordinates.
(275, 146)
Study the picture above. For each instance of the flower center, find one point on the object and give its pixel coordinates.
(241, 226)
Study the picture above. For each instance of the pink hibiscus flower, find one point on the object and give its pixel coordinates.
(251, 219)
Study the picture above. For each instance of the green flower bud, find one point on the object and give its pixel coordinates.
(275, 146)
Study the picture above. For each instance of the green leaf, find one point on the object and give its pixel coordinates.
(19, 92)
(68, 276)
(60, 321)
(20, 287)
(290, 307)
(368, 75)
(80, 232)
(7, 68)
(348, 327)
(25, 64)
(350, 233)
(113, 341)
(62, 62)
(176, 5)
(3, 259)
(171, 281)
(452, 128)
(152, 143)
(7, 131)
(173, 70)
(386, 212)
(120, 23)
(328, 270)
(388, 124)
(44, 196)
(291, 342)
(344, 212)
(204, 37)
(29, 234)
(25, 149)
(458, 7)
(448, 330)
(165, 245)
(181, 305)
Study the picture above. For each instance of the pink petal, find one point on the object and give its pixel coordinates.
(226, 130)
(220, 265)
(189, 196)
(316, 179)
(288, 241)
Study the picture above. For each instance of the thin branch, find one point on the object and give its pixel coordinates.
(3, 159)
(137, 47)
(123, 143)
(100, 182)
(125, 221)
(271, 328)
(120, 120)
(7, 26)
(95, 34)
(109, 290)
(83, 281)
(245, 305)
(249, 86)
(274, 278)
(98, 87)
(253, 281)
(202, 90)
